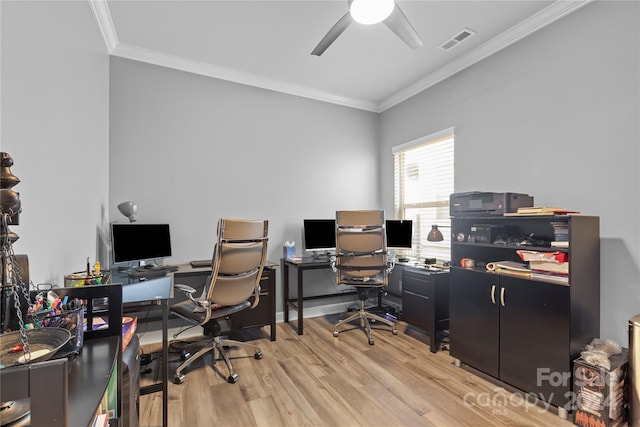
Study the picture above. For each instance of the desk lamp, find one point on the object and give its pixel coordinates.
(129, 209)
(435, 235)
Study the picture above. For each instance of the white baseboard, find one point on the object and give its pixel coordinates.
(321, 310)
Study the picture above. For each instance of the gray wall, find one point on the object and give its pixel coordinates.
(191, 149)
(55, 123)
(555, 115)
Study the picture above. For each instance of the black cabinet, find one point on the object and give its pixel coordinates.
(263, 313)
(525, 332)
(425, 301)
(473, 320)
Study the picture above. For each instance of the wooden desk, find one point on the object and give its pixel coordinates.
(300, 265)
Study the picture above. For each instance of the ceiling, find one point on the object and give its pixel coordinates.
(268, 43)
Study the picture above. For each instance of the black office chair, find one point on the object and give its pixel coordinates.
(361, 261)
(238, 261)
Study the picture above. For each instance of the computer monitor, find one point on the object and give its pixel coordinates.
(319, 235)
(399, 233)
(139, 242)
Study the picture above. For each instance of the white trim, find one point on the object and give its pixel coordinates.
(102, 14)
(550, 14)
(318, 311)
(525, 28)
(449, 132)
(197, 67)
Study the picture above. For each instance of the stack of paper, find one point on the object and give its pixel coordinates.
(547, 265)
(540, 210)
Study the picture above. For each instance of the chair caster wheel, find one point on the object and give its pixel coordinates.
(178, 379)
(335, 333)
(185, 355)
(233, 378)
(371, 341)
(257, 355)
(394, 332)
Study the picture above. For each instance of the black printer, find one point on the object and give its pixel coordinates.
(478, 203)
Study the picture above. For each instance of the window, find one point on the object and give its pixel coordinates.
(423, 182)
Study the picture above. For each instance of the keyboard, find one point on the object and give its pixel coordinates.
(155, 271)
(201, 263)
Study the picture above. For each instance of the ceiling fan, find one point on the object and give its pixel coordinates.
(372, 12)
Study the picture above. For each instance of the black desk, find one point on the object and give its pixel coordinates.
(64, 392)
(300, 265)
(152, 305)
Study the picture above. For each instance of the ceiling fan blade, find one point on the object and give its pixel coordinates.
(399, 24)
(333, 34)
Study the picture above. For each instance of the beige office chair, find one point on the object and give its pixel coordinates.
(238, 261)
(361, 261)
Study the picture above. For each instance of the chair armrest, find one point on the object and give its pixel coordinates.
(187, 290)
(256, 296)
(390, 267)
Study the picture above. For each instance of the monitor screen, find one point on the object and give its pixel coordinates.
(319, 234)
(137, 242)
(399, 233)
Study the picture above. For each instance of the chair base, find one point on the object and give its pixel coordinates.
(365, 317)
(217, 343)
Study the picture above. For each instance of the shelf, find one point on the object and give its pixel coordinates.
(514, 247)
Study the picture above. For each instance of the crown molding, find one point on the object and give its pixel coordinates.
(519, 31)
(102, 14)
(548, 15)
(197, 67)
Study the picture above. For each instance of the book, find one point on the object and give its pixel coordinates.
(540, 210)
(101, 420)
(129, 326)
(527, 255)
(545, 275)
(550, 266)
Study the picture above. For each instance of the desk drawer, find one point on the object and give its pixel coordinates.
(418, 283)
(253, 317)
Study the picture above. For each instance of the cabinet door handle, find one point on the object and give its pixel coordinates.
(493, 294)
(502, 296)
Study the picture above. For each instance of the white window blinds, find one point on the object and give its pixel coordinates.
(423, 181)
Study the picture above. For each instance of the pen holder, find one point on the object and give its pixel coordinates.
(71, 320)
(74, 280)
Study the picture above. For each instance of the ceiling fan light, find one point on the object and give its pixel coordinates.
(371, 11)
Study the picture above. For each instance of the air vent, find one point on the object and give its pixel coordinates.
(462, 35)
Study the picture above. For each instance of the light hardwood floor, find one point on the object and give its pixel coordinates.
(318, 380)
